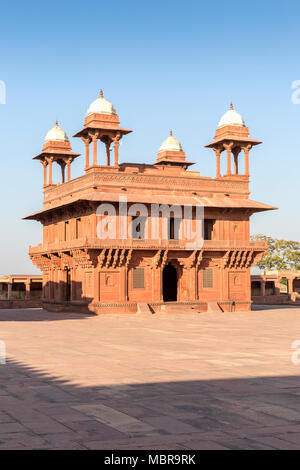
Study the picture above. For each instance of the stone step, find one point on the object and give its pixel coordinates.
(178, 308)
(143, 308)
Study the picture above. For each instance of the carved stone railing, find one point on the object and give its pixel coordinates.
(95, 243)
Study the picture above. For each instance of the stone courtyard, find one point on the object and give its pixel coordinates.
(164, 381)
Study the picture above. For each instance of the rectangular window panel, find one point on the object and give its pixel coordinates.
(208, 278)
(78, 224)
(208, 229)
(66, 231)
(138, 278)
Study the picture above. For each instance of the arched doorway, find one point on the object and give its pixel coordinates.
(169, 283)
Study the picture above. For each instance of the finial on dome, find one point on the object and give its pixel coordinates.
(56, 123)
(101, 94)
(231, 106)
(171, 133)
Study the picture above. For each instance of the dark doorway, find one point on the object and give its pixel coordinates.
(169, 283)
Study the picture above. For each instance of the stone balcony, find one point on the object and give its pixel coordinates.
(155, 244)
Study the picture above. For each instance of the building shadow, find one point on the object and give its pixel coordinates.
(39, 411)
(39, 315)
(256, 307)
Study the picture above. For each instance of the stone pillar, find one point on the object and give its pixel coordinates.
(290, 286)
(193, 282)
(116, 162)
(27, 286)
(218, 162)
(87, 153)
(246, 152)
(95, 142)
(50, 161)
(9, 291)
(123, 293)
(126, 283)
(263, 288)
(69, 161)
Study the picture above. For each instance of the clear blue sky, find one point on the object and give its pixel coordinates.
(163, 64)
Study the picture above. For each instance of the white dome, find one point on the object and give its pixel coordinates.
(231, 118)
(171, 144)
(101, 106)
(56, 133)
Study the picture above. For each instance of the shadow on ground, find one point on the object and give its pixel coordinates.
(39, 314)
(38, 411)
(256, 307)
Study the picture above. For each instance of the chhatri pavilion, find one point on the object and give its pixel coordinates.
(83, 271)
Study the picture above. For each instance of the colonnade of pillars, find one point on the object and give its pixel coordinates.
(48, 162)
(27, 292)
(231, 149)
(276, 282)
(94, 137)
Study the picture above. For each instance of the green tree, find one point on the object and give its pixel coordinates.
(281, 254)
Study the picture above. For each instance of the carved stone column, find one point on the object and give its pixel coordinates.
(94, 137)
(45, 164)
(50, 162)
(69, 161)
(27, 286)
(116, 156)
(246, 152)
(87, 142)
(290, 285)
(9, 291)
(218, 152)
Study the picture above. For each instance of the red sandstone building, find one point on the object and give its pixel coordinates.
(84, 272)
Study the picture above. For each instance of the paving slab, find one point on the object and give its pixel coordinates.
(171, 381)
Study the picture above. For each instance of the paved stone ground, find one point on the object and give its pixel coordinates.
(167, 381)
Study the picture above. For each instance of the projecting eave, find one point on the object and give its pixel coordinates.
(85, 131)
(234, 138)
(59, 153)
(225, 203)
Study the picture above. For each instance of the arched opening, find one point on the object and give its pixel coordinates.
(169, 283)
